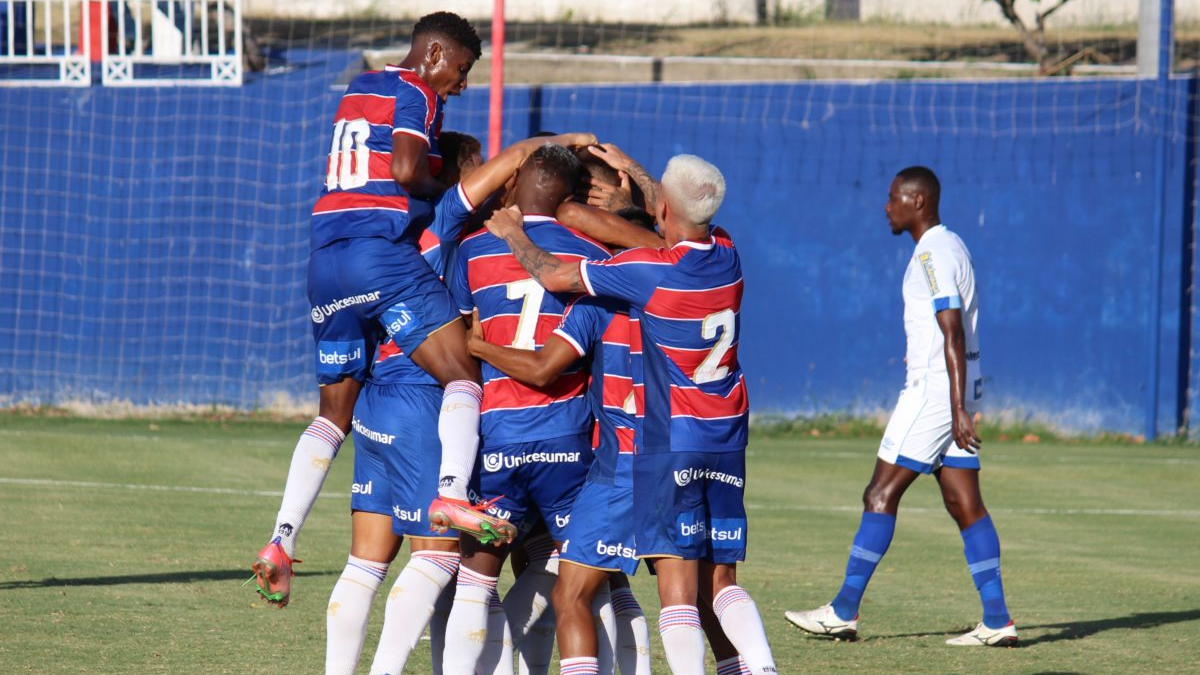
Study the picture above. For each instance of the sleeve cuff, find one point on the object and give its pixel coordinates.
(411, 132)
(583, 275)
(571, 341)
(462, 195)
(951, 302)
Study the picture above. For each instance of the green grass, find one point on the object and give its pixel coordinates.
(1100, 544)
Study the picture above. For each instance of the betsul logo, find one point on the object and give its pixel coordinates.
(493, 462)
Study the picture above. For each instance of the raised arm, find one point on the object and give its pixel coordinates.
(955, 346)
(554, 275)
(617, 159)
(533, 368)
(492, 176)
(606, 227)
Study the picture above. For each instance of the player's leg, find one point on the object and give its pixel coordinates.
(527, 603)
(724, 653)
(373, 547)
(578, 646)
(468, 623)
(738, 616)
(679, 621)
(606, 629)
(981, 546)
(497, 655)
(633, 634)
(411, 603)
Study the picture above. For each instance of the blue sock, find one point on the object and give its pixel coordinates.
(870, 543)
(981, 545)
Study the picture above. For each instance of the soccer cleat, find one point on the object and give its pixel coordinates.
(983, 636)
(824, 621)
(273, 574)
(462, 515)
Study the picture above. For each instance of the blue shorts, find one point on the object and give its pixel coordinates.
(542, 476)
(600, 533)
(364, 290)
(397, 454)
(690, 505)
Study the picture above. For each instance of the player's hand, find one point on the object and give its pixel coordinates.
(612, 156)
(475, 337)
(505, 221)
(964, 431)
(611, 198)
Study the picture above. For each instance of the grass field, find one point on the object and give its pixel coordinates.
(123, 545)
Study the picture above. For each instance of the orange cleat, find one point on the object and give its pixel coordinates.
(273, 574)
(446, 513)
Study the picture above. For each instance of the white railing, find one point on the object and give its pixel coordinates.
(175, 42)
(38, 46)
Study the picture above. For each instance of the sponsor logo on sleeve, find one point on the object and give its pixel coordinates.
(926, 259)
(321, 312)
(335, 358)
(399, 321)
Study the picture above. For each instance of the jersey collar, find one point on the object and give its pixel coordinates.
(940, 227)
(538, 219)
(698, 245)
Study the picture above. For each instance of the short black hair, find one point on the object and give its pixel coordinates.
(597, 168)
(559, 163)
(924, 180)
(457, 147)
(452, 27)
(543, 134)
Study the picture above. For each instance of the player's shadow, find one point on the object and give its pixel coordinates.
(163, 578)
(1076, 630)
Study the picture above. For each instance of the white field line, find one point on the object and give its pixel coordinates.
(46, 482)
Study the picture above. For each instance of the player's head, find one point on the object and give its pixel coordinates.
(548, 178)
(596, 170)
(444, 47)
(913, 199)
(461, 154)
(692, 191)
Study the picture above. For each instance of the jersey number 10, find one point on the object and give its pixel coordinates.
(349, 155)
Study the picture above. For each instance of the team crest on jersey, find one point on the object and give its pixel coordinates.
(926, 259)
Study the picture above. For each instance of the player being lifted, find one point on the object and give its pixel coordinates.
(931, 429)
(537, 441)
(690, 467)
(367, 280)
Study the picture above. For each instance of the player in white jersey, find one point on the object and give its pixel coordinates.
(932, 429)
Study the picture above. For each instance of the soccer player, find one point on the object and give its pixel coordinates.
(537, 441)
(690, 464)
(367, 279)
(397, 451)
(931, 430)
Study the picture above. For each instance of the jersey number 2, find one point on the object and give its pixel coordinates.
(710, 369)
(349, 155)
(530, 293)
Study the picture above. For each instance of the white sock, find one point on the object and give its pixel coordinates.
(529, 596)
(606, 629)
(743, 626)
(410, 605)
(314, 452)
(537, 649)
(346, 617)
(497, 657)
(633, 634)
(437, 627)
(458, 429)
(682, 638)
(580, 665)
(730, 666)
(467, 627)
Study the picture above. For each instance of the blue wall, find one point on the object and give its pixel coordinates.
(154, 240)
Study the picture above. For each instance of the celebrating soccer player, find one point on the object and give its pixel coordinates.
(931, 429)
(690, 467)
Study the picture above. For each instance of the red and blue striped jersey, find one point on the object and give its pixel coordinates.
(688, 299)
(516, 311)
(360, 198)
(438, 244)
(604, 329)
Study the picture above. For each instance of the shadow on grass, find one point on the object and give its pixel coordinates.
(164, 578)
(1075, 630)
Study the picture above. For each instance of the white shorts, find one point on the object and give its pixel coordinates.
(918, 435)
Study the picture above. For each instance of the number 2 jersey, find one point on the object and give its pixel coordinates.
(687, 300)
(516, 311)
(360, 198)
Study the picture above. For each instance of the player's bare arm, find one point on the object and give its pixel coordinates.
(963, 429)
(608, 196)
(606, 227)
(485, 180)
(617, 159)
(538, 368)
(553, 274)
(410, 166)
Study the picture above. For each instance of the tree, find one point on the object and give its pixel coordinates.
(1033, 40)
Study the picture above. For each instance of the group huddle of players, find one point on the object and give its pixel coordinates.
(538, 356)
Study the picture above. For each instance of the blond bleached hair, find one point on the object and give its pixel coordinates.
(694, 187)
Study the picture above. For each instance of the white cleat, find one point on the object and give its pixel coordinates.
(824, 621)
(983, 636)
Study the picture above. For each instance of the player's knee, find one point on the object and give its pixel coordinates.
(880, 499)
(568, 596)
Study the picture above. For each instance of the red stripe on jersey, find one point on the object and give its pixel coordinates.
(380, 165)
(618, 392)
(373, 108)
(502, 330)
(387, 350)
(430, 98)
(508, 393)
(625, 440)
(672, 303)
(721, 237)
(635, 336)
(428, 242)
(668, 256)
(486, 271)
(596, 435)
(689, 402)
(343, 201)
(689, 360)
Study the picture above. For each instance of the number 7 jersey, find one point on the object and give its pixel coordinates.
(517, 312)
(688, 301)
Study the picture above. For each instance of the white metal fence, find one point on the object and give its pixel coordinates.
(41, 45)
